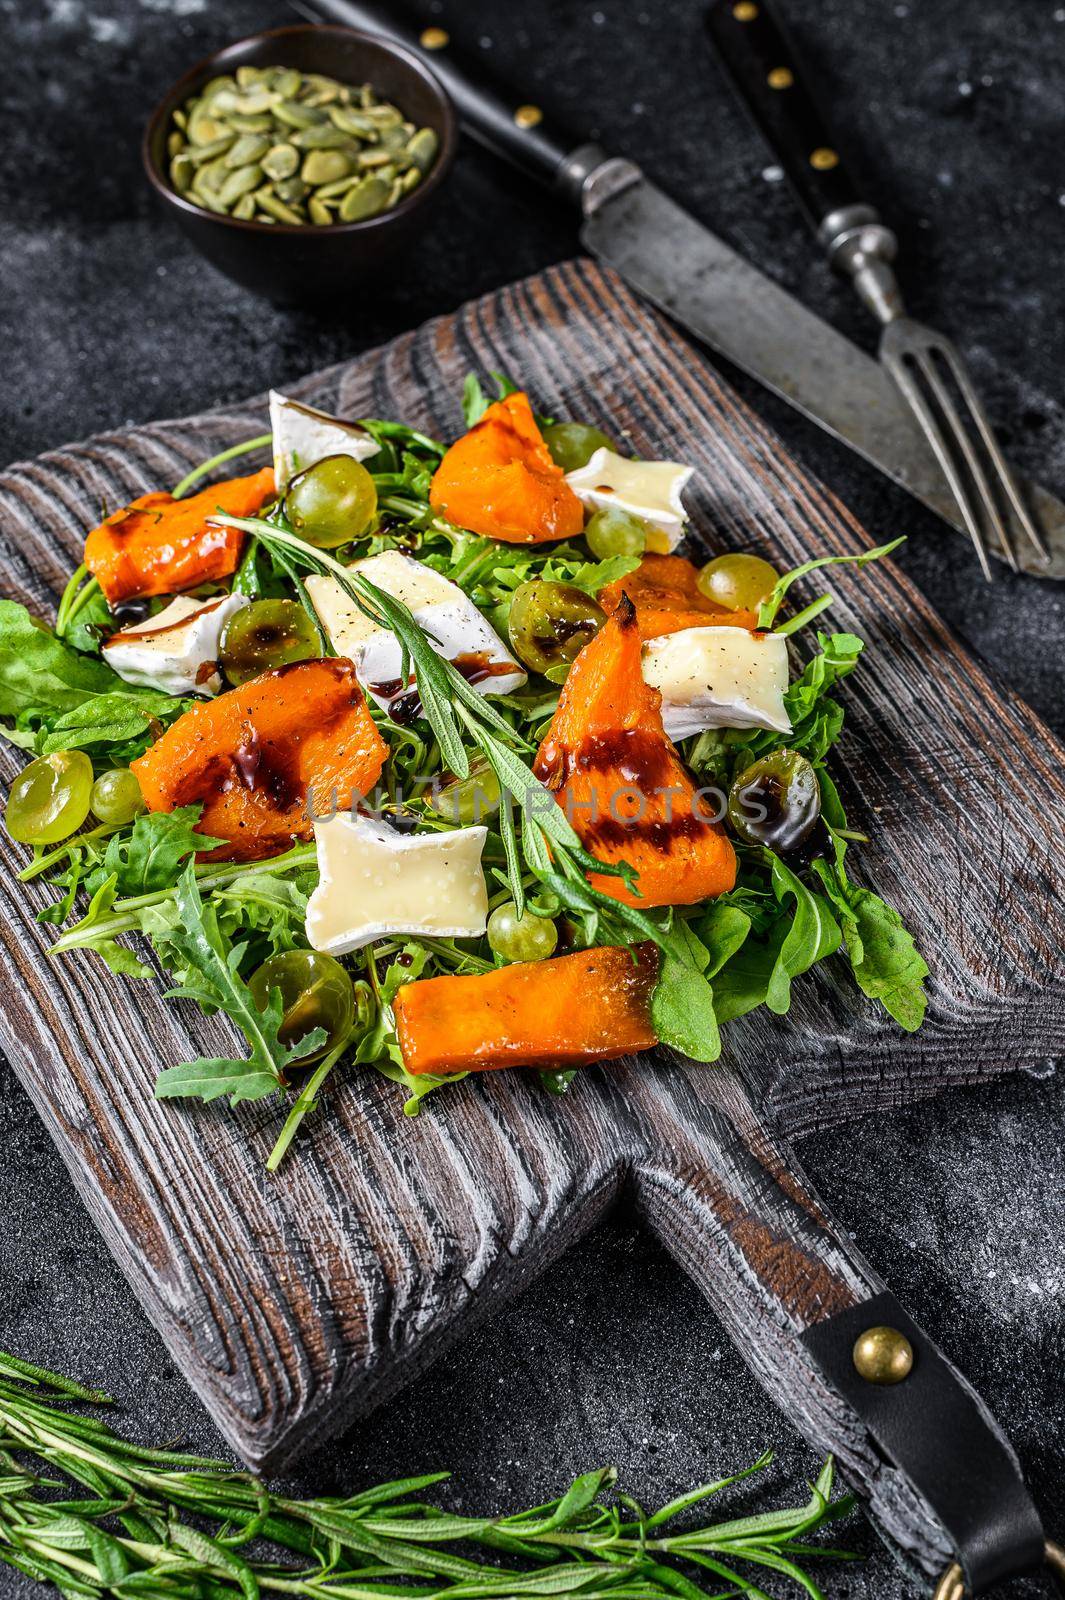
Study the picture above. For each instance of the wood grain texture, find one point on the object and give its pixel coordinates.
(293, 1302)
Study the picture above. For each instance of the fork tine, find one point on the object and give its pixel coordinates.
(960, 434)
(1002, 467)
(906, 381)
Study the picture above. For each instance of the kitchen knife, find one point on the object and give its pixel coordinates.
(681, 266)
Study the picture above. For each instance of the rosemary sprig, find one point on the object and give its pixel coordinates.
(153, 1522)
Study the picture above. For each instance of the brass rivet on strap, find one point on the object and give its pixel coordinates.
(883, 1355)
(951, 1585)
(780, 78)
(528, 116)
(435, 39)
(823, 158)
(745, 11)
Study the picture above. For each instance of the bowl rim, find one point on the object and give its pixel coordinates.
(183, 86)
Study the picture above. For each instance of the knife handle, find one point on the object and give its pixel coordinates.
(496, 117)
(764, 68)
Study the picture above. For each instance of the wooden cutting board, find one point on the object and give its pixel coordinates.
(292, 1303)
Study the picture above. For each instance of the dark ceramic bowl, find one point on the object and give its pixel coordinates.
(290, 264)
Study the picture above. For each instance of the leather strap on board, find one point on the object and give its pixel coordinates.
(934, 1430)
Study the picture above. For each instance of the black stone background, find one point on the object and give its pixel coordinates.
(954, 109)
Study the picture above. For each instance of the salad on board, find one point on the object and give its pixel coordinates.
(434, 760)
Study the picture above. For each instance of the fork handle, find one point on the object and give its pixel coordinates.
(764, 68)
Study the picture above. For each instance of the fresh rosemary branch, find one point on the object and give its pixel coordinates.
(155, 1523)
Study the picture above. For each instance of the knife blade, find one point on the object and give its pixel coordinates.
(671, 259)
(675, 261)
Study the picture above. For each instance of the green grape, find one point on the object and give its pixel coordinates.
(526, 938)
(316, 992)
(116, 796)
(265, 634)
(611, 532)
(776, 801)
(550, 623)
(49, 800)
(332, 502)
(738, 582)
(468, 800)
(573, 444)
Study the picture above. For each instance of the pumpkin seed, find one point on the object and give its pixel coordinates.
(322, 97)
(240, 182)
(292, 190)
(273, 144)
(323, 136)
(262, 122)
(210, 176)
(366, 199)
(350, 122)
(247, 101)
(250, 147)
(293, 115)
(333, 191)
(281, 161)
(325, 166)
(181, 172)
(205, 129)
(422, 148)
(213, 85)
(276, 209)
(285, 81)
(199, 155)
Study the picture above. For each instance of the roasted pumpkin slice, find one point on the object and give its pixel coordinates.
(267, 757)
(499, 480)
(159, 545)
(623, 786)
(569, 1011)
(666, 594)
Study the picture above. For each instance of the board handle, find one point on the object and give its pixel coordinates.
(510, 124)
(830, 1342)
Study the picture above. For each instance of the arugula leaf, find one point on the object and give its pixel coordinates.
(210, 976)
(92, 620)
(771, 604)
(272, 907)
(116, 718)
(886, 963)
(150, 857)
(209, 1078)
(812, 934)
(45, 685)
(722, 930)
(763, 961)
(474, 400)
(39, 675)
(682, 1009)
(107, 947)
(743, 981)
